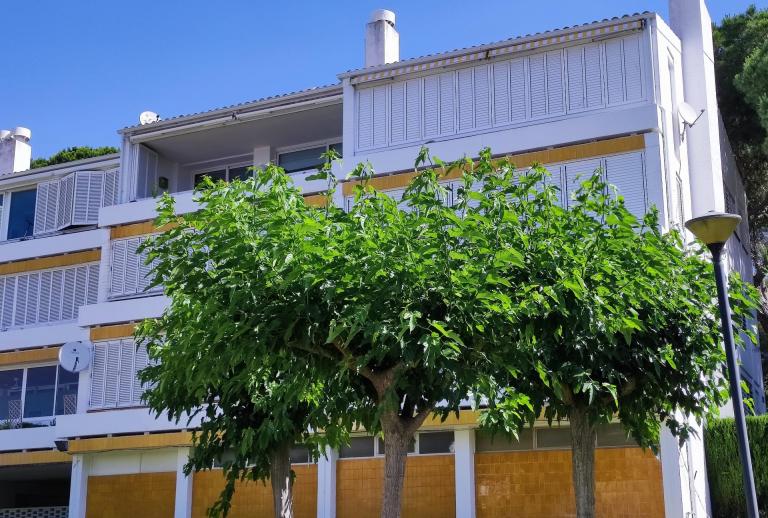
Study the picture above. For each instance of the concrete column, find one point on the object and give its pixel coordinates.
(183, 505)
(78, 486)
(464, 459)
(684, 473)
(326, 484)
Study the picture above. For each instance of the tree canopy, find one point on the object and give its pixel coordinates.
(71, 154)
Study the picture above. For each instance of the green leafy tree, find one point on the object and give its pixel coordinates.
(603, 316)
(73, 153)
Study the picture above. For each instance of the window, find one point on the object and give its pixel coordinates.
(300, 455)
(114, 373)
(305, 159)
(226, 174)
(435, 442)
(21, 217)
(424, 443)
(358, 447)
(36, 394)
(557, 437)
(486, 441)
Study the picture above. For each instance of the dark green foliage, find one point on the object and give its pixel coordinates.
(73, 153)
(724, 469)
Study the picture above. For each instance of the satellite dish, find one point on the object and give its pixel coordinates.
(75, 356)
(148, 117)
(689, 114)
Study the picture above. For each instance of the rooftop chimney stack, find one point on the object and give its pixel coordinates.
(382, 41)
(15, 151)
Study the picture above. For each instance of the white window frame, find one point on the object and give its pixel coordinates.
(338, 141)
(227, 168)
(5, 212)
(44, 420)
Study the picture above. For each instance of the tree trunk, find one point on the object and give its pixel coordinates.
(282, 482)
(396, 442)
(583, 457)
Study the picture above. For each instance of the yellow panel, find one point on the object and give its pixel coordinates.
(53, 261)
(428, 490)
(130, 442)
(111, 332)
(531, 484)
(254, 499)
(466, 417)
(47, 354)
(144, 495)
(546, 156)
(137, 229)
(316, 200)
(33, 457)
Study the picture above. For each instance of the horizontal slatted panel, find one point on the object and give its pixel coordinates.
(431, 106)
(632, 69)
(397, 113)
(114, 374)
(537, 77)
(614, 70)
(466, 99)
(365, 118)
(555, 83)
(482, 97)
(593, 76)
(577, 172)
(576, 100)
(626, 173)
(501, 105)
(413, 109)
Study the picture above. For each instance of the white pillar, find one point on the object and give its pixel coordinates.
(464, 468)
(78, 486)
(183, 505)
(326, 484)
(684, 474)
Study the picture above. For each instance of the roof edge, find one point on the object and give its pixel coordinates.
(64, 165)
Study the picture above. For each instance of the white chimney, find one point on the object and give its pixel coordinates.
(691, 22)
(15, 151)
(382, 42)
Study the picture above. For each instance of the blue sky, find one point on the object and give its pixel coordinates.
(74, 72)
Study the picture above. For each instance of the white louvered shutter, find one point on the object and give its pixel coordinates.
(632, 69)
(413, 109)
(46, 206)
(9, 300)
(95, 197)
(93, 284)
(64, 217)
(577, 172)
(397, 195)
(447, 104)
(127, 372)
(575, 64)
(131, 266)
(98, 374)
(111, 179)
(2, 301)
(81, 289)
(556, 180)
(365, 118)
(501, 93)
(46, 296)
(141, 362)
(22, 287)
(593, 76)
(517, 83)
(57, 284)
(117, 280)
(145, 271)
(482, 97)
(68, 295)
(555, 90)
(82, 191)
(626, 172)
(431, 106)
(33, 299)
(397, 113)
(537, 70)
(466, 99)
(614, 70)
(112, 373)
(380, 116)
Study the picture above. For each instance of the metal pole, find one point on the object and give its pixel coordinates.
(734, 375)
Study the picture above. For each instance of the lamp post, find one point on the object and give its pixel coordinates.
(714, 229)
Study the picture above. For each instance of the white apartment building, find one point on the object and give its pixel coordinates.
(604, 94)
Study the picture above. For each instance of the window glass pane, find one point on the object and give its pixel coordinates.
(485, 441)
(358, 447)
(553, 438)
(66, 392)
(213, 175)
(435, 442)
(613, 435)
(411, 447)
(299, 455)
(240, 173)
(21, 221)
(301, 160)
(339, 148)
(38, 395)
(10, 395)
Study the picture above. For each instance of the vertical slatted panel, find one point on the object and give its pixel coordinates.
(127, 372)
(142, 361)
(593, 76)
(9, 299)
(577, 172)
(466, 99)
(68, 295)
(33, 299)
(80, 207)
(22, 286)
(3, 302)
(501, 105)
(81, 289)
(57, 285)
(517, 97)
(614, 70)
(98, 374)
(145, 269)
(627, 174)
(431, 106)
(45, 198)
(447, 104)
(93, 284)
(112, 373)
(632, 69)
(538, 88)
(413, 109)
(117, 280)
(365, 118)
(66, 198)
(95, 197)
(575, 59)
(397, 113)
(555, 87)
(131, 267)
(46, 296)
(380, 116)
(110, 188)
(482, 97)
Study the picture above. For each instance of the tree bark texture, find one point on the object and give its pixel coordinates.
(583, 439)
(282, 482)
(396, 442)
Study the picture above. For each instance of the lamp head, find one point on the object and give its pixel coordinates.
(713, 227)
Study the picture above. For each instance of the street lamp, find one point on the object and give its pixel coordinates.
(714, 229)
